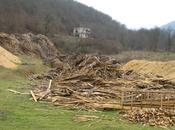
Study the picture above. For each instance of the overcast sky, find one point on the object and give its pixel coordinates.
(136, 13)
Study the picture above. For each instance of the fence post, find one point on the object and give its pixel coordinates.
(161, 102)
(122, 100)
(168, 104)
(132, 98)
(141, 101)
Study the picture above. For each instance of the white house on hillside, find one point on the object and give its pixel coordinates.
(81, 32)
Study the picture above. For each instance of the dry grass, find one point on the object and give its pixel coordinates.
(126, 56)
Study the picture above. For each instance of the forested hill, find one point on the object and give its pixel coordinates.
(54, 16)
(51, 17)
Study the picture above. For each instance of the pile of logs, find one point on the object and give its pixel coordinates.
(152, 117)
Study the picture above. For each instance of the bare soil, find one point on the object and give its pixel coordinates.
(165, 69)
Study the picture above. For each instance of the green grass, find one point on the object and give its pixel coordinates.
(18, 112)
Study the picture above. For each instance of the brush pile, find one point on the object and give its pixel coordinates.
(92, 82)
(152, 117)
(28, 44)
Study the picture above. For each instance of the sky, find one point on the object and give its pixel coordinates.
(136, 14)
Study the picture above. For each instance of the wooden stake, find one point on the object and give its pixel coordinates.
(122, 101)
(141, 101)
(132, 98)
(48, 89)
(161, 101)
(169, 107)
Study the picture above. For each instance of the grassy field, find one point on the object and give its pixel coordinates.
(18, 112)
(126, 56)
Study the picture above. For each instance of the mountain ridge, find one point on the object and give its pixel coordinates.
(170, 25)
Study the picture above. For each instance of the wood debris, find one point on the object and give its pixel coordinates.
(152, 117)
(93, 82)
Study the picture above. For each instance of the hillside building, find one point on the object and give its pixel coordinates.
(81, 32)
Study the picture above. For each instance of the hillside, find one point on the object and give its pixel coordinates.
(170, 25)
(59, 17)
(54, 16)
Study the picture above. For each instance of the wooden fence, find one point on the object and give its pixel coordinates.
(146, 99)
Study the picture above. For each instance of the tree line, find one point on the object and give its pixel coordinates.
(50, 17)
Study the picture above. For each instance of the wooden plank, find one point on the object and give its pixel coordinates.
(16, 92)
(33, 95)
(50, 82)
(47, 91)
